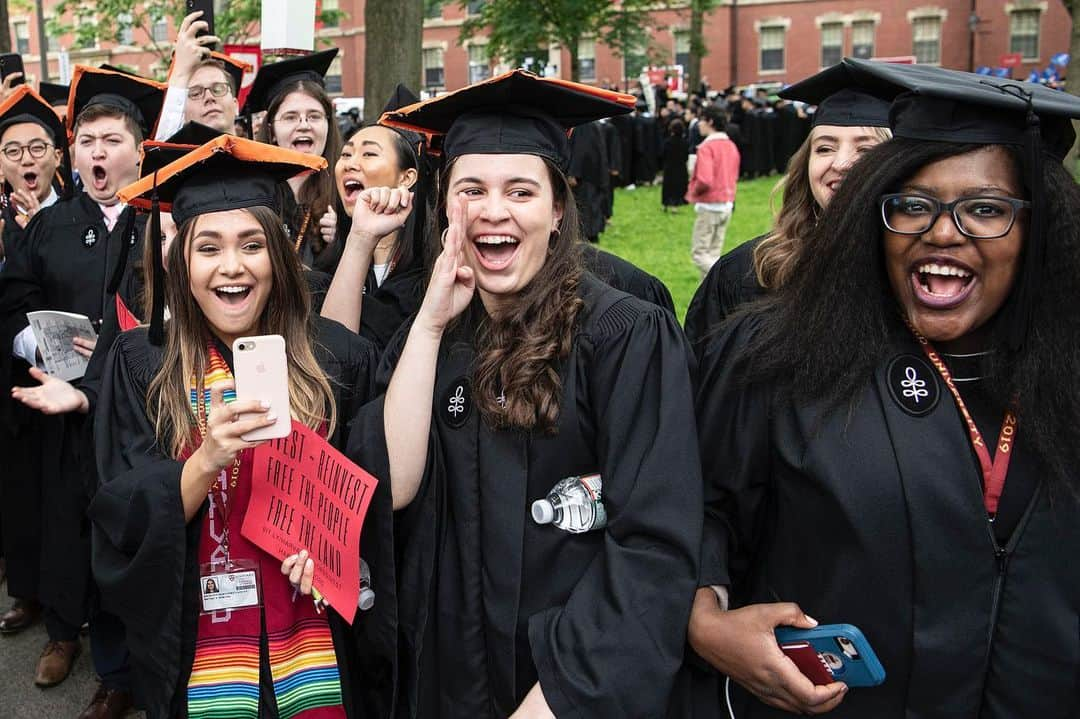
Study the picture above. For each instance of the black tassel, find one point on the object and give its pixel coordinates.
(157, 308)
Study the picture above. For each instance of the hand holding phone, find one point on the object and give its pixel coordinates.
(10, 64)
(832, 652)
(207, 8)
(262, 374)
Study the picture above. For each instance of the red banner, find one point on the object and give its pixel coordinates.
(1011, 59)
(252, 55)
(307, 495)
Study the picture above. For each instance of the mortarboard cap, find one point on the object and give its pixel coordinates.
(514, 113)
(137, 97)
(54, 93)
(25, 105)
(157, 154)
(840, 100)
(272, 79)
(402, 97)
(227, 173)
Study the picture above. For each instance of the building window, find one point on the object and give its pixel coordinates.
(682, 47)
(474, 7)
(22, 37)
(126, 34)
(433, 9)
(331, 5)
(926, 32)
(479, 65)
(832, 43)
(862, 39)
(772, 47)
(434, 77)
(160, 30)
(586, 59)
(1024, 33)
(333, 77)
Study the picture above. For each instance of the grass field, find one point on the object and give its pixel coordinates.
(659, 243)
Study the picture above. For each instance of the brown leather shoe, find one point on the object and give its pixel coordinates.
(107, 704)
(23, 613)
(55, 663)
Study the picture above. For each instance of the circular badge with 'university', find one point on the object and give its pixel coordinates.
(90, 236)
(456, 403)
(913, 384)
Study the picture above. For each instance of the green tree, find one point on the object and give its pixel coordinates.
(516, 28)
(91, 21)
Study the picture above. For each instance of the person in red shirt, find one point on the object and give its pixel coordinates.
(712, 187)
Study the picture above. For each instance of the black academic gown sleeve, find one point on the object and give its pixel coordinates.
(387, 306)
(626, 617)
(627, 277)
(729, 283)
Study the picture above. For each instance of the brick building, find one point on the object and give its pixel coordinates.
(748, 41)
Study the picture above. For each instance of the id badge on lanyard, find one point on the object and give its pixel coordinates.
(232, 585)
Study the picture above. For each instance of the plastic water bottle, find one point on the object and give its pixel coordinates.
(367, 594)
(574, 504)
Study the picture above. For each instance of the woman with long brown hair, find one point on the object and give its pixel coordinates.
(300, 117)
(176, 472)
(524, 385)
(846, 124)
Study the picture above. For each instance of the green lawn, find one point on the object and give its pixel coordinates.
(659, 243)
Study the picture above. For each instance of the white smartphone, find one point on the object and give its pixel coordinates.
(262, 373)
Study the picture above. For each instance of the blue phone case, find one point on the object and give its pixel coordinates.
(843, 648)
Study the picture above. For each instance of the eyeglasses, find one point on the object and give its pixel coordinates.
(37, 150)
(217, 89)
(295, 118)
(981, 218)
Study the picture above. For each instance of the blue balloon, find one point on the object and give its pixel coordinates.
(982, 70)
(1002, 72)
(1034, 76)
(1061, 59)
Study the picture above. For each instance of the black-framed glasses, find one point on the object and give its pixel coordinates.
(217, 89)
(983, 218)
(37, 149)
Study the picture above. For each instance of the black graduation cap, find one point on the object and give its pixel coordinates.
(137, 97)
(227, 173)
(514, 113)
(25, 105)
(402, 97)
(840, 101)
(275, 77)
(157, 154)
(54, 93)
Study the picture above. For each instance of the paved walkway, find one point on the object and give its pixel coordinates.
(19, 698)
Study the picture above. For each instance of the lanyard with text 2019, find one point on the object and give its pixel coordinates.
(993, 470)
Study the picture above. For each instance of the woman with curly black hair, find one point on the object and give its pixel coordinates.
(893, 436)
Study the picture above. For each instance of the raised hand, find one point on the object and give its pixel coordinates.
(452, 282)
(328, 226)
(9, 84)
(52, 396)
(190, 50)
(378, 212)
(27, 205)
(224, 428)
(741, 644)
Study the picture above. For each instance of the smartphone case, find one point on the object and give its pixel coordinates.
(862, 670)
(262, 373)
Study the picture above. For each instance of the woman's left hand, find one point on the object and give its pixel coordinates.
(534, 706)
(300, 569)
(52, 396)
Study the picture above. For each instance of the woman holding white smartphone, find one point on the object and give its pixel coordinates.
(176, 469)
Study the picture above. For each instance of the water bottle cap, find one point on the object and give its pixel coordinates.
(543, 512)
(367, 599)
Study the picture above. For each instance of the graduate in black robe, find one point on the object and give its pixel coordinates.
(499, 612)
(627, 277)
(589, 172)
(613, 154)
(881, 458)
(70, 256)
(676, 151)
(143, 537)
(733, 280)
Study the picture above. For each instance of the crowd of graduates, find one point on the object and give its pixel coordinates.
(583, 509)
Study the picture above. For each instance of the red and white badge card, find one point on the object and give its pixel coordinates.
(307, 495)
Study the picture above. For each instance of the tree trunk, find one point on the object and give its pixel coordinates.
(393, 31)
(1072, 85)
(575, 71)
(5, 36)
(697, 46)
